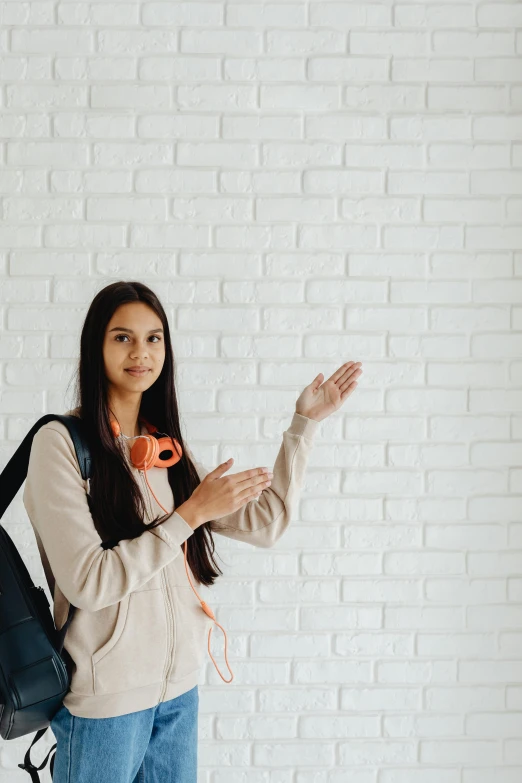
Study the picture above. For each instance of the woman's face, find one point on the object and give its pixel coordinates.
(134, 337)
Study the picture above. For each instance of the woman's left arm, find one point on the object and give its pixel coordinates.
(262, 521)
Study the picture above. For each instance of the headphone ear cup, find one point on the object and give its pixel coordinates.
(144, 453)
(168, 444)
(115, 427)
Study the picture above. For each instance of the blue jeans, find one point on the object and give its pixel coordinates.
(157, 745)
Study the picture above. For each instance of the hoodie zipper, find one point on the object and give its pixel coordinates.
(171, 635)
(171, 630)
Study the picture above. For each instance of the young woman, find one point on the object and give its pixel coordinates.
(126, 547)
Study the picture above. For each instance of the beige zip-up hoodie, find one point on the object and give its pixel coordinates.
(139, 635)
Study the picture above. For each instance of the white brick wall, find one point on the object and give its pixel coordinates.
(302, 183)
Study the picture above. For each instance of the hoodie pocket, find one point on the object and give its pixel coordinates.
(134, 656)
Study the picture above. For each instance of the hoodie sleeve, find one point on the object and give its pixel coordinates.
(55, 499)
(261, 522)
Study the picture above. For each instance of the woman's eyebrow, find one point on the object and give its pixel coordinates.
(124, 329)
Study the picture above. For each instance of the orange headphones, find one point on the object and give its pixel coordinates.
(145, 454)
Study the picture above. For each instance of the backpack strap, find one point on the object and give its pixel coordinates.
(15, 472)
(29, 767)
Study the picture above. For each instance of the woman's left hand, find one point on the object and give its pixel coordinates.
(318, 400)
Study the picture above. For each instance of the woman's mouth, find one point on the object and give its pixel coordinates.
(138, 373)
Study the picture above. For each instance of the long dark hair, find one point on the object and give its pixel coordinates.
(115, 499)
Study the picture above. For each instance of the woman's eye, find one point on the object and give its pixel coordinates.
(126, 335)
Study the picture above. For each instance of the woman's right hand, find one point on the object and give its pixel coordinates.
(219, 495)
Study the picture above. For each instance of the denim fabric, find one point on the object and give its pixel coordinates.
(157, 745)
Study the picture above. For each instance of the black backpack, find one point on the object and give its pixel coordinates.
(35, 670)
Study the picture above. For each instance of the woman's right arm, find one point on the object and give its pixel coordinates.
(55, 499)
